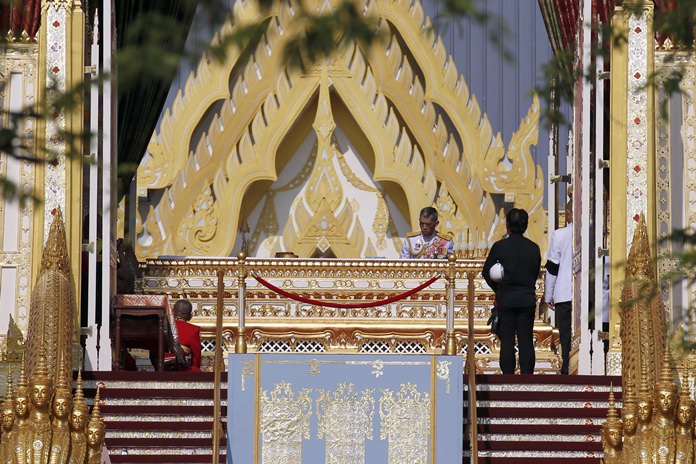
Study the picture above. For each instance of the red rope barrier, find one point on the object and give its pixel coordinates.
(368, 304)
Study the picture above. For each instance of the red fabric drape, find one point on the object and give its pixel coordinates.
(328, 304)
(19, 16)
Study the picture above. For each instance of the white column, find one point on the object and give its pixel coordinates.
(108, 205)
(91, 355)
(584, 360)
(597, 366)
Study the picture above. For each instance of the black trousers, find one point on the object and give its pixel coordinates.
(564, 321)
(516, 322)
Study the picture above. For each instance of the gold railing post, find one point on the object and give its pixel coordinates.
(240, 344)
(217, 367)
(471, 367)
(450, 342)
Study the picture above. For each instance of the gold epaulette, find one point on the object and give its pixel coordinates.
(447, 236)
(413, 234)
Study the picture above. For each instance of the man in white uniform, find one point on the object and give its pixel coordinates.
(427, 243)
(558, 293)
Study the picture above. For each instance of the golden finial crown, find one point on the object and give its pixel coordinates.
(79, 398)
(40, 374)
(629, 396)
(62, 386)
(22, 381)
(612, 415)
(8, 404)
(666, 379)
(644, 393)
(639, 263)
(55, 252)
(684, 394)
(96, 419)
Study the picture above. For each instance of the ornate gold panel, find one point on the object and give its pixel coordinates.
(335, 161)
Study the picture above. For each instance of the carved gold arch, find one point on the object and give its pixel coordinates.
(400, 119)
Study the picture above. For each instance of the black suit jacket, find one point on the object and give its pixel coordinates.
(521, 262)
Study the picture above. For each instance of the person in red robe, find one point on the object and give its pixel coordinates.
(189, 334)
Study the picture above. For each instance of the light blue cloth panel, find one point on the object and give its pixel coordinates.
(344, 409)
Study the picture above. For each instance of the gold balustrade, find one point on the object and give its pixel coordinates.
(273, 323)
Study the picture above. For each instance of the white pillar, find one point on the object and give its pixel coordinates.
(597, 366)
(584, 360)
(108, 205)
(91, 354)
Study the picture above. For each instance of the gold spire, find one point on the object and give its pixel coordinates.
(642, 313)
(79, 398)
(9, 393)
(644, 392)
(52, 306)
(639, 257)
(629, 393)
(22, 381)
(684, 394)
(96, 418)
(62, 386)
(666, 379)
(55, 253)
(612, 415)
(41, 370)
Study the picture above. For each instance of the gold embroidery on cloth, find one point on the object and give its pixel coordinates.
(345, 421)
(284, 422)
(248, 370)
(405, 422)
(443, 373)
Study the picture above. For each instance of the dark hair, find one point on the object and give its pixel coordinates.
(429, 212)
(183, 309)
(516, 220)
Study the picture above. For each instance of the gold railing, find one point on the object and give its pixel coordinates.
(271, 323)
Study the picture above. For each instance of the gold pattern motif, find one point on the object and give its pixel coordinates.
(284, 423)
(443, 373)
(405, 423)
(248, 370)
(345, 421)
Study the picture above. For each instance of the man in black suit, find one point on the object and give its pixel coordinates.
(515, 294)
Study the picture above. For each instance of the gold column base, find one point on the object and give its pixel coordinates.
(240, 346)
(450, 343)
